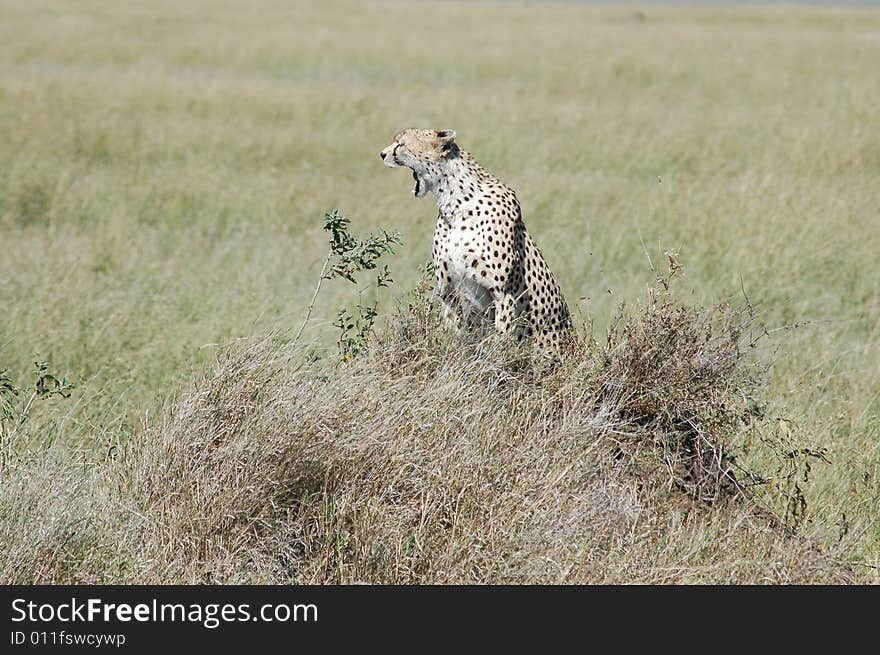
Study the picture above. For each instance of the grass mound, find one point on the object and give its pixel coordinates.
(432, 460)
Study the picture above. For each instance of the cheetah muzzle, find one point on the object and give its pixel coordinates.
(488, 270)
(389, 156)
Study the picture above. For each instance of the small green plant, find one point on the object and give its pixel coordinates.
(16, 402)
(354, 330)
(348, 257)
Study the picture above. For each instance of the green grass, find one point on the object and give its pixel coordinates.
(164, 173)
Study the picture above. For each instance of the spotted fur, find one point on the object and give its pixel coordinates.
(488, 269)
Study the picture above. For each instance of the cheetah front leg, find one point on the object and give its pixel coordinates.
(450, 307)
(505, 312)
(452, 314)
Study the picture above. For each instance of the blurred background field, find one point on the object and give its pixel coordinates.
(164, 170)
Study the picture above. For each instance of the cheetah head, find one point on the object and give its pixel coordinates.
(425, 152)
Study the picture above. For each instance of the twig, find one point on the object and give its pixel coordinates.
(314, 297)
(650, 261)
(23, 416)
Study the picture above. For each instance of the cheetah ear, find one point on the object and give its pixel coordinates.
(446, 136)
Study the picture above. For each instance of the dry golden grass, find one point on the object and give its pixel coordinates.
(433, 460)
(164, 170)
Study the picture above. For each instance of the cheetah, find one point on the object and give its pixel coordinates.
(488, 270)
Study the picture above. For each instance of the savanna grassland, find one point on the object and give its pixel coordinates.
(164, 172)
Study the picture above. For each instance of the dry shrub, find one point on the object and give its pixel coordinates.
(681, 381)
